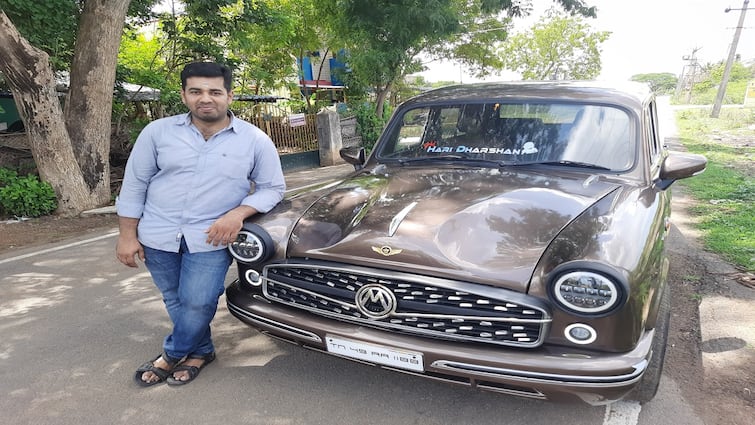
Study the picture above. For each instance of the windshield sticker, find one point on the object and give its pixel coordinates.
(432, 147)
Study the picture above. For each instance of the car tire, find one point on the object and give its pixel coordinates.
(648, 385)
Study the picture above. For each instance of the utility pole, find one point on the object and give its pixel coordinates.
(690, 75)
(729, 61)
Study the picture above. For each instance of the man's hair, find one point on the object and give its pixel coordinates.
(207, 69)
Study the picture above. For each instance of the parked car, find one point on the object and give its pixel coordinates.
(505, 236)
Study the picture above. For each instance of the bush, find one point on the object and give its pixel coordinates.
(7, 176)
(369, 124)
(25, 196)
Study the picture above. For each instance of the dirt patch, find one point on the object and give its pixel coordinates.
(43, 231)
(720, 399)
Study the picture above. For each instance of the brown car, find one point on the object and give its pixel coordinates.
(505, 236)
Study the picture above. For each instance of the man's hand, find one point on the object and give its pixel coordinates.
(127, 249)
(128, 246)
(225, 229)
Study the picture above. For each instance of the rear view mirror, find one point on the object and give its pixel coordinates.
(680, 165)
(353, 155)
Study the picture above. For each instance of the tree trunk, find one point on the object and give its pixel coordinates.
(28, 73)
(88, 107)
(382, 93)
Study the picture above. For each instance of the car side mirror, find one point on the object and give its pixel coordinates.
(680, 165)
(354, 155)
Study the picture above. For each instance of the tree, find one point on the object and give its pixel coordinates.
(384, 38)
(558, 47)
(48, 25)
(705, 90)
(70, 144)
(661, 83)
(382, 46)
(251, 36)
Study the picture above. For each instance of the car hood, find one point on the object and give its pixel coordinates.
(483, 225)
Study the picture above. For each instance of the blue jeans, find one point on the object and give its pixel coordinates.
(191, 284)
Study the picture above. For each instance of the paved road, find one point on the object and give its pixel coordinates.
(75, 325)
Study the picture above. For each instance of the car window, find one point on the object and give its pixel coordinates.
(654, 140)
(515, 133)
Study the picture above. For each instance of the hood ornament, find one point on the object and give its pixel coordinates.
(386, 250)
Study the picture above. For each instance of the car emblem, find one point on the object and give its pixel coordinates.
(375, 301)
(386, 250)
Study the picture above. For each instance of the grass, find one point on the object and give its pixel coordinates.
(691, 278)
(726, 190)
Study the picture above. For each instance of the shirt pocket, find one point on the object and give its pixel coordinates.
(232, 167)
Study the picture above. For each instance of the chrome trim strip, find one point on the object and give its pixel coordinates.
(396, 221)
(519, 393)
(289, 330)
(523, 375)
(296, 190)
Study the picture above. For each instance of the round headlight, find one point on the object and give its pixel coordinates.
(252, 246)
(586, 292)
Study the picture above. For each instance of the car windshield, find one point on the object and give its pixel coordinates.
(594, 136)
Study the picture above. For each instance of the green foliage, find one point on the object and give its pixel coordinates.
(661, 83)
(256, 38)
(139, 60)
(25, 196)
(140, 12)
(726, 190)
(49, 25)
(407, 88)
(559, 46)
(408, 25)
(7, 176)
(369, 124)
(135, 127)
(735, 94)
(705, 91)
(713, 74)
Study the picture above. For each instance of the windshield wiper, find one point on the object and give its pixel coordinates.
(562, 162)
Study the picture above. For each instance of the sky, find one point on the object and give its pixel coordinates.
(647, 36)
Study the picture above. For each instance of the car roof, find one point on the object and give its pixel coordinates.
(627, 93)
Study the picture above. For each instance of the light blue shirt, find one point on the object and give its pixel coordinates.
(177, 184)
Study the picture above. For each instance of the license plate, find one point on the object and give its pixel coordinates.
(374, 353)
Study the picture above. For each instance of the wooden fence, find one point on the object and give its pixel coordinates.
(291, 133)
(288, 135)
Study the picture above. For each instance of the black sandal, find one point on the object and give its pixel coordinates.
(192, 370)
(161, 373)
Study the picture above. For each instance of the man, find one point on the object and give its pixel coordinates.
(185, 195)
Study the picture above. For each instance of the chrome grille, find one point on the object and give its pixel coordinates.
(429, 306)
